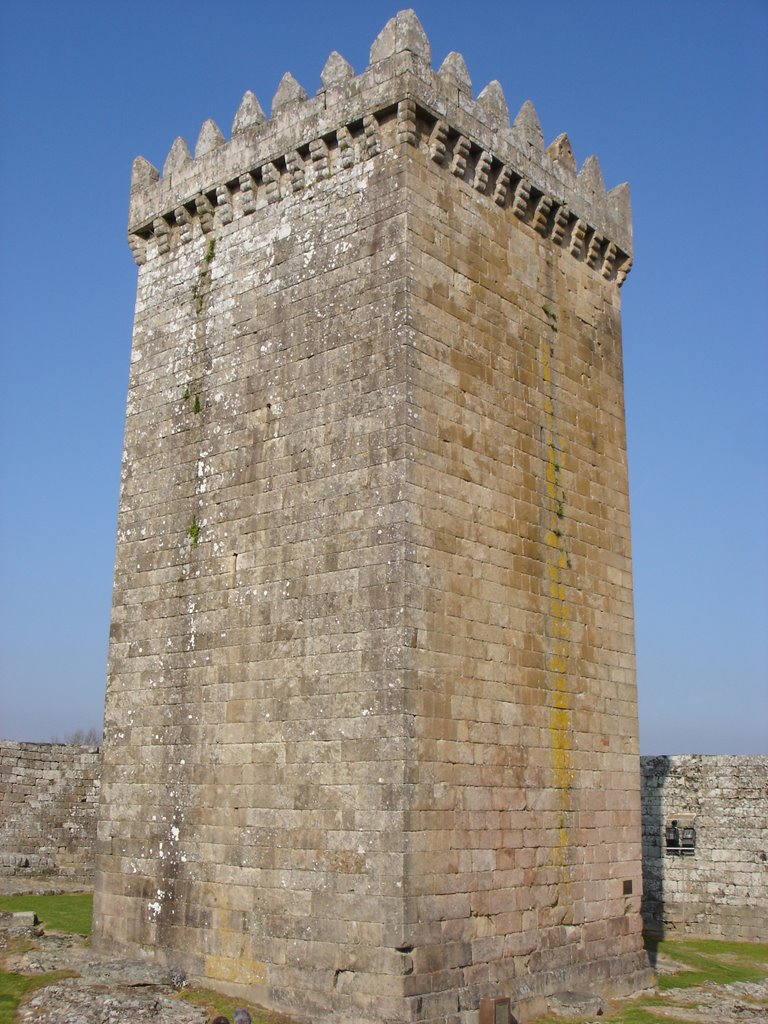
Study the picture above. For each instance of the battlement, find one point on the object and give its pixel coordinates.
(397, 100)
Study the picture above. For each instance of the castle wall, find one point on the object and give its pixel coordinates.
(48, 798)
(721, 889)
(525, 818)
(252, 815)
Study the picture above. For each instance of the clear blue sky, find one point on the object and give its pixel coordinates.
(671, 96)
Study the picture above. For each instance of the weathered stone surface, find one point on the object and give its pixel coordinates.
(721, 890)
(143, 173)
(454, 72)
(209, 139)
(619, 200)
(560, 149)
(178, 157)
(18, 923)
(725, 890)
(112, 990)
(403, 32)
(336, 70)
(108, 990)
(572, 1004)
(289, 93)
(591, 177)
(526, 128)
(492, 106)
(48, 798)
(249, 114)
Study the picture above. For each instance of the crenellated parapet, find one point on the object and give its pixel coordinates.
(397, 100)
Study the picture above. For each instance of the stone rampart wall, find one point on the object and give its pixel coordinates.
(49, 794)
(48, 799)
(720, 889)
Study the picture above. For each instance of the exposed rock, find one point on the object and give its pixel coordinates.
(571, 1004)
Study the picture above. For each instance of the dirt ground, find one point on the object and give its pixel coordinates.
(111, 990)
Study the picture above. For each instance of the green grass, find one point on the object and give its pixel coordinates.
(64, 912)
(69, 912)
(216, 1004)
(641, 1015)
(704, 961)
(13, 987)
(712, 960)
(635, 1012)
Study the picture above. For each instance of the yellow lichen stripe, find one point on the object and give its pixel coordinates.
(558, 633)
(241, 971)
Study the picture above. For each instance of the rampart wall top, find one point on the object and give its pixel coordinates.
(473, 139)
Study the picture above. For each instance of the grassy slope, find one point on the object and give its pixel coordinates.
(705, 961)
(713, 961)
(65, 912)
(14, 986)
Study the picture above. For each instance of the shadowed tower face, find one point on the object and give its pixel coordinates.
(371, 739)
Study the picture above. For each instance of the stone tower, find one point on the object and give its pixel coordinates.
(371, 738)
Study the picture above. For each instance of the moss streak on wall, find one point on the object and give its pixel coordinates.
(558, 630)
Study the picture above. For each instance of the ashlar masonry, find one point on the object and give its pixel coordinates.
(371, 729)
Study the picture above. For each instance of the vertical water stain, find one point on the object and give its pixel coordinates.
(557, 617)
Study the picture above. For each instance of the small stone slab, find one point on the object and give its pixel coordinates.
(25, 917)
(18, 922)
(574, 1004)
